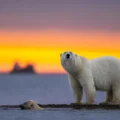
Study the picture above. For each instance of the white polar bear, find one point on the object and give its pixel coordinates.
(31, 105)
(101, 74)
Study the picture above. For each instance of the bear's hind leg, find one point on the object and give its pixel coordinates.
(116, 96)
(76, 89)
(109, 97)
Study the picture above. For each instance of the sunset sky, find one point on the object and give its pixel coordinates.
(37, 31)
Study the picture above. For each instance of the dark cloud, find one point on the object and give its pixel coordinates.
(68, 14)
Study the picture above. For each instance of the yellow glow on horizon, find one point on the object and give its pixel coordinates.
(43, 48)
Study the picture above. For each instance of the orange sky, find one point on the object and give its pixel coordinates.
(43, 47)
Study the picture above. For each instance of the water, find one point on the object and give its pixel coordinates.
(45, 89)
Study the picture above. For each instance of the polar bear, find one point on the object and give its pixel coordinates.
(31, 105)
(100, 74)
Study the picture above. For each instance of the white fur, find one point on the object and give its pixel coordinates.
(31, 105)
(101, 74)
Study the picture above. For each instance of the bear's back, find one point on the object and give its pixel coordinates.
(105, 70)
(106, 60)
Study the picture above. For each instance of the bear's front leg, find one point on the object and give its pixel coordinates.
(87, 82)
(76, 89)
(90, 93)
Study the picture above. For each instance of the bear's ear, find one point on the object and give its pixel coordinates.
(71, 52)
(60, 54)
(75, 55)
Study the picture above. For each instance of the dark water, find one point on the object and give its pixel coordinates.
(45, 89)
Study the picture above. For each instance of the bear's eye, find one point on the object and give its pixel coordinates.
(32, 105)
(60, 54)
(65, 52)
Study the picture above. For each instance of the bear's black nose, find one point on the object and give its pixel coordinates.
(21, 106)
(67, 55)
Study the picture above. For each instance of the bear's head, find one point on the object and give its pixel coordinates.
(67, 56)
(68, 60)
(30, 104)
